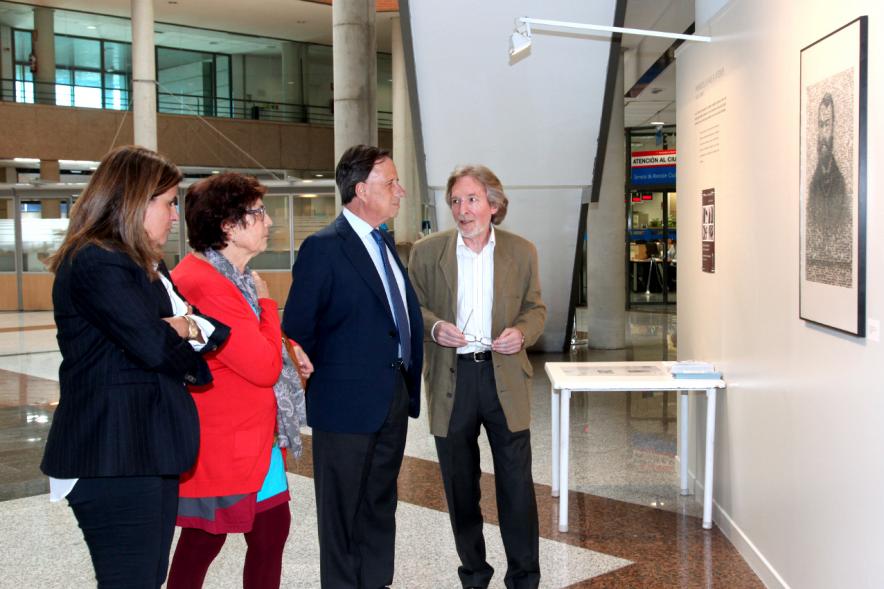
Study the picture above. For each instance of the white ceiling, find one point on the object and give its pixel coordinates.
(655, 104)
(657, 100)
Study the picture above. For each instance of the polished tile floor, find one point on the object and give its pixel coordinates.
(629, 527)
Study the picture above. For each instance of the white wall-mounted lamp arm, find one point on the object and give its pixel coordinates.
(628, 31)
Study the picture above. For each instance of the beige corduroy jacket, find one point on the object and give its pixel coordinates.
(517, 303)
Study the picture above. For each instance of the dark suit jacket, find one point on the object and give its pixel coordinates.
(517, 303)
(338, 312)
(124, 408)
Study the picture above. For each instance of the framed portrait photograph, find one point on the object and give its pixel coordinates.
(832, 193)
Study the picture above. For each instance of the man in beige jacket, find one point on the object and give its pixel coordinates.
(479, 292)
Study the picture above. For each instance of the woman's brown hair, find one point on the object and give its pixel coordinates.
(215, 201)
(110, 211)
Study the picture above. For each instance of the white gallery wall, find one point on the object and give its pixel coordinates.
(534, 122)
(800, 448)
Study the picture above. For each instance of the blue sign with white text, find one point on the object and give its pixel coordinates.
(653, 168)
(652, 176)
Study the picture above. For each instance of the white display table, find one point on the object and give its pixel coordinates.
(603, 377)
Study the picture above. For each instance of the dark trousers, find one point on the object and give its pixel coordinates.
(476, 404)
(128, 523)
(355, 480)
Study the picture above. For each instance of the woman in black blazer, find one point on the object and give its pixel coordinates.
(125, 426)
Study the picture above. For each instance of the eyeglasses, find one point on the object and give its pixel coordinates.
(472, 338)
(259, 213)
(479, 340)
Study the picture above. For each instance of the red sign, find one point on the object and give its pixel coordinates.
(653, 159)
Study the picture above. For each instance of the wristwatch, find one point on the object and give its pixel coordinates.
(193, 330)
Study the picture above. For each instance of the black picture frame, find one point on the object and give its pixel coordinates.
(833, 175)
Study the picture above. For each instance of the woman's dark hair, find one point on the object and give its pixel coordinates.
(217, 201)
(110, 211)
(354, 167)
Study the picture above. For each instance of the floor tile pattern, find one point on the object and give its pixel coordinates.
(629, 525)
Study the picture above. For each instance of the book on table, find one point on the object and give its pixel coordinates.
(715, 375)
(692, 367)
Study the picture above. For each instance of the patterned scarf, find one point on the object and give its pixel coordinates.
(291, 410)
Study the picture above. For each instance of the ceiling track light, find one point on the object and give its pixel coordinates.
(521, 37)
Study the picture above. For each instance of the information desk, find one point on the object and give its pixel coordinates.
(603, 377)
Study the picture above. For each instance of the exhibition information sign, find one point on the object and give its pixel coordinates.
(651, 168)
(707, 237)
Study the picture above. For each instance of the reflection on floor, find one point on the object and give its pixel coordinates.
(629, 527)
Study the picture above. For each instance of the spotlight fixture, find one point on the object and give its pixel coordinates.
(658, 123)
(521, 39)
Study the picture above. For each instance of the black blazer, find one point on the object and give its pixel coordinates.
(338, 312)
(124, 408)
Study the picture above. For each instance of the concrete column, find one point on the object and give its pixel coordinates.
(7, 71)
(50, 208)
(291, 81)
(355, 75)
(606, 231)
(408, 223)
(44, 51)
(50, 171)
(630, 68)
(144, 72)
(237, 74)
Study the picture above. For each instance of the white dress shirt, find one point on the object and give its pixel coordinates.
(179, 308)
(475, 293)
(363, 230)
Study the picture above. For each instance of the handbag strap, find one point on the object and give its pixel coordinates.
(290, 350)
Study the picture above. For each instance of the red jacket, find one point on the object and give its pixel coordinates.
(237, 412)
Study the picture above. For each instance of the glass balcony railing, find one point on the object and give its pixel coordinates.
(168, 103)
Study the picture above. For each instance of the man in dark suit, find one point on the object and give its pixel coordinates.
(480, 296)
(352, 309)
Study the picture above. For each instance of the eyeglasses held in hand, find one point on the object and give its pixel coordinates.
(480, 340)
(472, 338)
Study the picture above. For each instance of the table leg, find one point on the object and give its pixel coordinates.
(710, 458)
(565, 434)
(650, 273)
(683, 441)
(554, 396)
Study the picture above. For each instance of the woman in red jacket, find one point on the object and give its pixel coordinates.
(238, 484)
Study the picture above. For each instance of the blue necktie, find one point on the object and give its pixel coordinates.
(396, 299)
